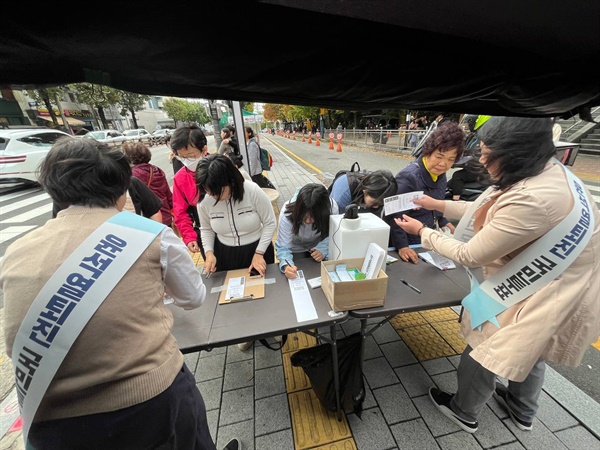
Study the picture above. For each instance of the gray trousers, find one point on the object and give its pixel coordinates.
(476, 385)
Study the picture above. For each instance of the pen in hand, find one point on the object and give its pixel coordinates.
(291, 266)
(414, 288)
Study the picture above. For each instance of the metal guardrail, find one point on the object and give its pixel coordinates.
(399, 140)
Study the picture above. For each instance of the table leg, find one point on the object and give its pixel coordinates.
(336, 373)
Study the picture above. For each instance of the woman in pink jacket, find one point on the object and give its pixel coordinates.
(535, 233)
(189, 146)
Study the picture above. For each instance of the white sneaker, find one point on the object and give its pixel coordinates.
(243, 346)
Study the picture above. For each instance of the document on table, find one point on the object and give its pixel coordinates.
(401, 202)
(303, 303)
(439, 261)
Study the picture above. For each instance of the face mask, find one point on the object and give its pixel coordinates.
(190, 163)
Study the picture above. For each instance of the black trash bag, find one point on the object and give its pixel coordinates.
(318, 365)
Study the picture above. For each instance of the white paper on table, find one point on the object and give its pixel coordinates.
(401, 202)
(303, 303)
(439, 261)
(235, 287)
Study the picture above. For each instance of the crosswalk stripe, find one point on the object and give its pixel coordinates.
(5, 198)
(31, 214)
(20, 204)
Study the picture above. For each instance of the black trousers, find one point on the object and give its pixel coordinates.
(173, 420)
(232, 258)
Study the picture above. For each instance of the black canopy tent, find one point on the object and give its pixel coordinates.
(520, 58)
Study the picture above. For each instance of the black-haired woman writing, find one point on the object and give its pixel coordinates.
(304, 227)
(367, 190)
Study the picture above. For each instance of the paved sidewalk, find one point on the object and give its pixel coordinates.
(260, 398)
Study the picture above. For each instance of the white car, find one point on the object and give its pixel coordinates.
(113, 137)
(138, 135)
(22, 150)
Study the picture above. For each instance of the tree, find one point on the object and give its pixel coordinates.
(46, 97)
(98, 97)
(132, 102)
(185, 111)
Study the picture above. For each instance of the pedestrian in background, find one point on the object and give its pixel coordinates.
(552, 313)
(152, 176)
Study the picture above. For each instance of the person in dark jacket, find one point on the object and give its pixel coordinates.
(152, 176)
(442, 148)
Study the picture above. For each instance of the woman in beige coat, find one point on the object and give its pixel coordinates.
(559, 317)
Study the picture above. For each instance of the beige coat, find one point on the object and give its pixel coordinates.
(557, 323)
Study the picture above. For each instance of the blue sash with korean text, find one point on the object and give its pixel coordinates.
(69, 299)
(542, 262)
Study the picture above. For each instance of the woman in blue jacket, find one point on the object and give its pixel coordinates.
(428, 174)
(304, 227)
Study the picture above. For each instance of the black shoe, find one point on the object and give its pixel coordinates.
(233, 444)
(441, 400)
(500, 395)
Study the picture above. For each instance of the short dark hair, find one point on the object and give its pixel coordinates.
(84, 172)
(447, 136)
(520, 147)
(312, 199)
(188, 136)
(137, 152)
(378, 184)
(214, 172)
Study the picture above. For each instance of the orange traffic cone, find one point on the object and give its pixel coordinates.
(318, 143)
(309, 140)
(303, 140)
(339, 146)
(330, 143)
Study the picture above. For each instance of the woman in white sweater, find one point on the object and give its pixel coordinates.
(238, 221)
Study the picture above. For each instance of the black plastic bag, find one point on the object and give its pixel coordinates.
(317, 363)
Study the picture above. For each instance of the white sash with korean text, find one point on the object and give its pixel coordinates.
(536, 266)
(69, 299)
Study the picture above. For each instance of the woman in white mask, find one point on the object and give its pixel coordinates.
(189, 146)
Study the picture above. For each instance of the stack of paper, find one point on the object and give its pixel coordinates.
(374, 260)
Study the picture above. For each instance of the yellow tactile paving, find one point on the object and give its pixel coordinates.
(297, 341)
(295, 378)
(426, 343)
(406, 320)
(439, 315)
(450, 331)
(346, 444)
(597, 344)
(314, 426)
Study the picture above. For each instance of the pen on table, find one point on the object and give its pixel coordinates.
(414, 288)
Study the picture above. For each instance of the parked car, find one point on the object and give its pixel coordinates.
(113, 137)
(138, 135)
(159, 136)
(22, 151)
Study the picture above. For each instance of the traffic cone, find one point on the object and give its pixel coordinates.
(339, 146)
(330, 143)
(303, 140)
(318, 143)
(309, 140)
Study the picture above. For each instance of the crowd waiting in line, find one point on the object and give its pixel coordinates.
(149, 398)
